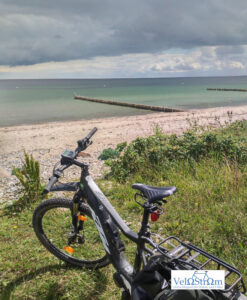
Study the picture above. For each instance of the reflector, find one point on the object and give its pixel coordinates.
(69, 249)
(81, 218)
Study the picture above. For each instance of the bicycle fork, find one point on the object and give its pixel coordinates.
(77, 225)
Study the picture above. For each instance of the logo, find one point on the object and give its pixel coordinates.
(198, 280)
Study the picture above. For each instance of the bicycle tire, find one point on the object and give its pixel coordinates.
(54, 215)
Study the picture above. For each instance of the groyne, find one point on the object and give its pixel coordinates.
(138, 106)
(227, 90)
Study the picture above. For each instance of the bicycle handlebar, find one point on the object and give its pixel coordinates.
(91, 133)
(82, 145)
(52, 181)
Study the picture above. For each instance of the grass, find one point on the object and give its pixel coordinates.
(28, 271)
(209, 210)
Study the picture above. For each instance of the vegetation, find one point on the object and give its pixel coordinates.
(159, 153)
(110, 153)
(29, 178)
(210, 210)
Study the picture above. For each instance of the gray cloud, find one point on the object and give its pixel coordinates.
(44, 31)
(220, 51)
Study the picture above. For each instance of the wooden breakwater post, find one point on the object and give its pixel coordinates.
(227, 90)
(138, 106)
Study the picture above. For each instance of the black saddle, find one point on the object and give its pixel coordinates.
(155, 193)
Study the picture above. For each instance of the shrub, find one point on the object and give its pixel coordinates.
(110, 153)
(29, 178)
(145, 155)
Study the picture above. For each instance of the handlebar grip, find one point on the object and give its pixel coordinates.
(52, 181)
(84, 143)
(91, 133)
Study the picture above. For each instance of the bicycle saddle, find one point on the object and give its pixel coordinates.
(155, 193)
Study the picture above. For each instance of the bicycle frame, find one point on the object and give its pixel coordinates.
(108, 221)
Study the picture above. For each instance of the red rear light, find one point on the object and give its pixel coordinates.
(155, 216)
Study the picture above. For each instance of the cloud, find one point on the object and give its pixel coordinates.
(203, 61)
(35, 32)
(230, 50)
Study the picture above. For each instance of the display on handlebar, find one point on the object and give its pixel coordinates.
(67, 157)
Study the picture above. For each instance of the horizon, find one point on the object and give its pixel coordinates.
(122, 78)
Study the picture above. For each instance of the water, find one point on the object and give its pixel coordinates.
(48, 100)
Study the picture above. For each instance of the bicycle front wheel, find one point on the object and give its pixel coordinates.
(52, 224)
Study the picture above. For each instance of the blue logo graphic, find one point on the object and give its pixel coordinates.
(198, 279)
(201, 277)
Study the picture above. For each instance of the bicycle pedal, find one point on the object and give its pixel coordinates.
(80, 239)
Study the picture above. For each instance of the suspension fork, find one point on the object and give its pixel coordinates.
(75, 211)
(77, 225)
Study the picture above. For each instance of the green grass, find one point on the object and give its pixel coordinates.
(209, 210)
(28, 271)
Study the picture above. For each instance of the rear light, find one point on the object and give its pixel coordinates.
(155, 216)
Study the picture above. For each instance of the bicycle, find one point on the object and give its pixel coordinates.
(89, 220)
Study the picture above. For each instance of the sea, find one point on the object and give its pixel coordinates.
(32, 101)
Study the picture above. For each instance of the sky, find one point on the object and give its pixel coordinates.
(119, 39)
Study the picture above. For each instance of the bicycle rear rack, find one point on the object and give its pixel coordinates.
(196, 258)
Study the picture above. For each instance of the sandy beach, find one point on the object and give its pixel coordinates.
(47, 141)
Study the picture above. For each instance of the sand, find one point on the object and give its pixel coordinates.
(47, 141)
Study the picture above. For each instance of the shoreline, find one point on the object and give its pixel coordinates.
(145, 112)
(75, 120)
(47, 140)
